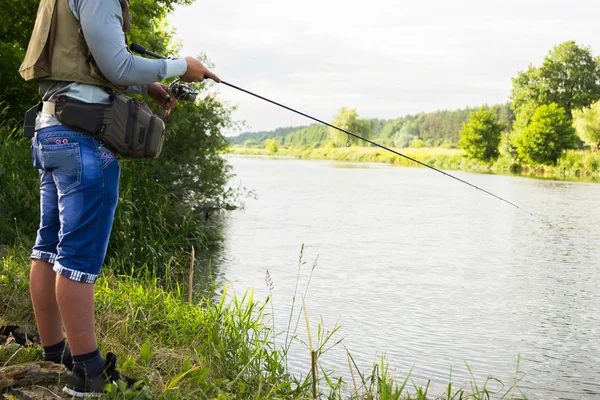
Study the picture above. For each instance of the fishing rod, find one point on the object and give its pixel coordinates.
(184, 89)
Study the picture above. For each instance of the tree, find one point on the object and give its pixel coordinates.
(347, 119)
(547, 135)
(272, 146)
(406, 134)
(16, 95)
(569, 77)
(587, 124)
(527, 91)
(480, 137)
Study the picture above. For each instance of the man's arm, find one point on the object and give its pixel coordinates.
(101, 23)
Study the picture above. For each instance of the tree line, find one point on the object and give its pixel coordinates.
(553, 107)
(435, 129)
(556, 107)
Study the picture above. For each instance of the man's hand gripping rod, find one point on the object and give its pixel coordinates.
(177, 90)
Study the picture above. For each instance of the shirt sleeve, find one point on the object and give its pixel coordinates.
(101, 23)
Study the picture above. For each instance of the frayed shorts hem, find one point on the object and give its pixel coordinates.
(75, 275)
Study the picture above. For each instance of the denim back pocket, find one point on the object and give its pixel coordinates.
(106, 155)
(64, 162)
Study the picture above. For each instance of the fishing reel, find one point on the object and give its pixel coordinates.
(177, 90)
(181, 92)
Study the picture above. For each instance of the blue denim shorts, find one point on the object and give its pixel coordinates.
(79, 190)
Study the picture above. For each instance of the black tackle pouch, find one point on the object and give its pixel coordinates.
(30, 117)
(126, 126)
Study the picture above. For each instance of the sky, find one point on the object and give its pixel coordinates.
(385, 58)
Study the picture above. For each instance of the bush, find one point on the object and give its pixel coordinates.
(417, 143)
(272, 146)
(19, 198)
(480, 137)
(549, 133)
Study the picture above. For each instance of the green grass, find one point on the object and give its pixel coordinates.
(574, 165)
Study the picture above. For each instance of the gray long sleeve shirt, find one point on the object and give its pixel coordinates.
(101, 24)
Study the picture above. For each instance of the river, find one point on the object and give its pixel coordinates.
(428, 271)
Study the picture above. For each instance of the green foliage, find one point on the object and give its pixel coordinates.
(347, 119)
(311, 136)
(569, 77)
(527, 90)
(480, 137)
(587, 124)
(546, 137)
(272, 146)
(257, 137)
(18, 18)
(418, 143)
(149, 26)
(408, 132)
(440, 128)
(19, 198)
(191, 166)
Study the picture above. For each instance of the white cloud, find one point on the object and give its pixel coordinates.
(386, 58)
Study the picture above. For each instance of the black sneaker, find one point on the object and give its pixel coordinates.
(80, 385)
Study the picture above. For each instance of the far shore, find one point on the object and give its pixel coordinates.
(575, 165)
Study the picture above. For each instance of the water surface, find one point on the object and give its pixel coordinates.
(427, 270)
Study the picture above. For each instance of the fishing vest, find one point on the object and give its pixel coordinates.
(57, 50)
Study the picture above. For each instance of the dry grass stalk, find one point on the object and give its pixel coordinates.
(191, 279)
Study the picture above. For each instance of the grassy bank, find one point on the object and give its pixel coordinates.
(202, 349)
(576, 165)
(211, 348)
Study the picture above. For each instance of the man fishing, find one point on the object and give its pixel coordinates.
(78, 52)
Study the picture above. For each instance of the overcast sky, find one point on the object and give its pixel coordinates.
(385, 58)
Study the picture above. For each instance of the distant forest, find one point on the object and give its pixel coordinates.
(436, 129)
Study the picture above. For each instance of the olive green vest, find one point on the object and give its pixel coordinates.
(57, 50)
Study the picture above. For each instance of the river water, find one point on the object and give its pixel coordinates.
(428, 271)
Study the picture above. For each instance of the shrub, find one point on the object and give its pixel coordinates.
(272, 146)
(480, 137)
(417, 143)
(548, 134)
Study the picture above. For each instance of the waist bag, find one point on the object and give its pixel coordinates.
(126, 126)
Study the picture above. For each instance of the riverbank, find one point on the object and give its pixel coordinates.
(210, 348)
(574, 165)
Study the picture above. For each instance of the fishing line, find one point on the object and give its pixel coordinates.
(142, 50)
(378, 145)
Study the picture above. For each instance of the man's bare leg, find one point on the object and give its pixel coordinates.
(76, 304)
(47, 316)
